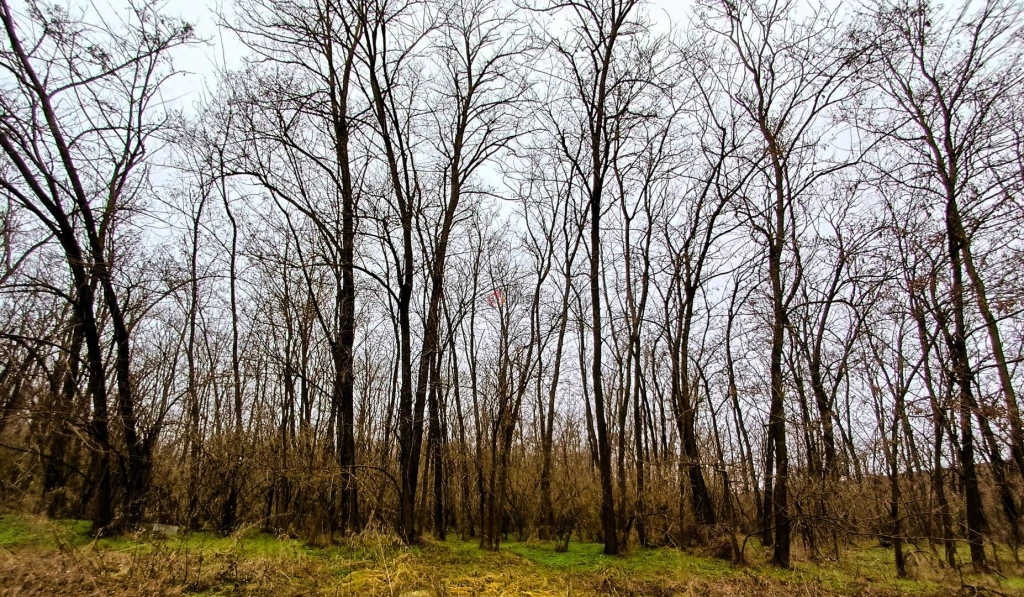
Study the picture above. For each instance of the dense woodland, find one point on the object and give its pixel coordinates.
(555, 269)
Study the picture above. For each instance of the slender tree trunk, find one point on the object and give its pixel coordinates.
(611, 542)
(964, 376)
(436, 448)
(777, 414)
(996, 343)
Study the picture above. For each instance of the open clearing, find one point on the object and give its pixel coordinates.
(42, 557)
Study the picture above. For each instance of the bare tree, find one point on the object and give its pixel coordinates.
(949, 81)
(785, 73)
(82, 107)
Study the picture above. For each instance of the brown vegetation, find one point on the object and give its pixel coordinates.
(546, 270)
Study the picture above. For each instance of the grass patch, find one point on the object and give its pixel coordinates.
(34, 531)
(1015, 583)
(588, 557)
(43, 557)
(581, 557)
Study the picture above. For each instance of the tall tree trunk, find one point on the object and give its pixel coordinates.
(964, 376)
(604, 451)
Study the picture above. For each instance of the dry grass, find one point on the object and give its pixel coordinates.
(39, 557)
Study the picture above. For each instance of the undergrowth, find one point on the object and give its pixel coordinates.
(45, 557)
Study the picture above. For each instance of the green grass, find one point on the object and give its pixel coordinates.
(21, 531)
(25, 531)
(1015, 583)
(587, 557)
(580, 557)
(374, 564)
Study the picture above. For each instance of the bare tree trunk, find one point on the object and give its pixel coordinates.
(998, 354)
(964, 376)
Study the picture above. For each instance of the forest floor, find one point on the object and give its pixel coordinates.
(43, 557)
